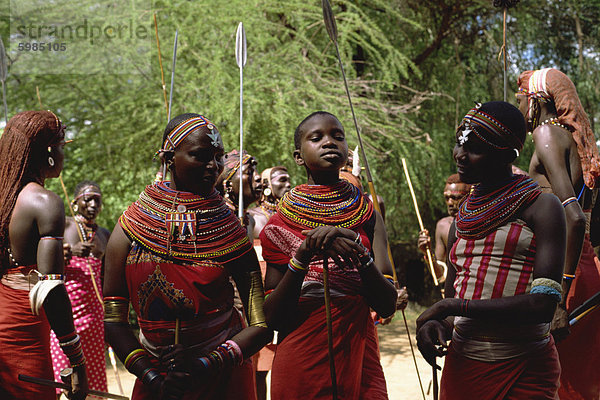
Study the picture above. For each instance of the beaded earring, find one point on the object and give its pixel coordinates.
(50, 159)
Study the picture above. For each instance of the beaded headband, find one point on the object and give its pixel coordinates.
(183, 130)
(236, 166)
(488, 129)
(86, 194)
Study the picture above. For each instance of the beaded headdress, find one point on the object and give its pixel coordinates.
(183, 130)
(488, 129)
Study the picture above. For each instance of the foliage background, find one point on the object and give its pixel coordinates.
(414, 68)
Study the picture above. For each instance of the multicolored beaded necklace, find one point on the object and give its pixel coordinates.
(482, 211)
(86, 228)
(341, 204)
(184, 226)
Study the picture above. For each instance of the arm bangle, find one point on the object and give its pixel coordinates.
(569, 201)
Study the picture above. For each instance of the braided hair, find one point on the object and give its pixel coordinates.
(23, 146)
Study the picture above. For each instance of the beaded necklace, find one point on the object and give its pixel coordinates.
(184, 226)
(341, 204)
(554, 121)
(482, 211)
(87, 229)
(268, 208)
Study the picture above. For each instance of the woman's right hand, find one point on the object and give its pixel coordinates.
(79, 383)
(432, 339)
(82, 249)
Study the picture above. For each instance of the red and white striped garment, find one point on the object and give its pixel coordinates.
(497, 265)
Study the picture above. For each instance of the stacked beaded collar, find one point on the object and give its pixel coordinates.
(482, 211)
(184, 226)
(311, 206)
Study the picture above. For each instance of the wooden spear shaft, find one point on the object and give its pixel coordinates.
(327, 296)
(414, 199)
(162, 73)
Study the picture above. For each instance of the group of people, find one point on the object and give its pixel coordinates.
(210, 288)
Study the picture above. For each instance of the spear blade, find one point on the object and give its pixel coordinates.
(173, 74)
(330, 25)
(240, 46)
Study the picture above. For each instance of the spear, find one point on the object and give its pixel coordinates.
(172, 75)
(3, 75)
(331, 28)
(162, 73)
(505, 4)
(240, 59)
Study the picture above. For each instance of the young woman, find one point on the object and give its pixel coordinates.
(171, 255)
(85, 264)
(505, 265)
(326, 218)
(32, 290)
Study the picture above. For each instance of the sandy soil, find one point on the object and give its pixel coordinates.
(396, 359)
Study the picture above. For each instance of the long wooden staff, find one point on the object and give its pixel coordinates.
(334, 394)
(170, 106)
(331, 28)
(414, 199)
(240, 59)
(162, 72)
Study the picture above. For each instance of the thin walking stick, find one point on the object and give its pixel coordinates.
(413, 354)
(329, 328)
(435, 381)
(414, 199)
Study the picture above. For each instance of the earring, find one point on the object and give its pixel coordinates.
(51, 161)
(75, 208)
(267, 192)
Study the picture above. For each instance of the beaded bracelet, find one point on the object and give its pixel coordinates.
(390, 278)
(149, 375)
(464, 305)
(51, 277)
(568, 277)
(297, 267)
(268, 292)
(225, 355)
(134, 357)
(569, 201)
(51, 238)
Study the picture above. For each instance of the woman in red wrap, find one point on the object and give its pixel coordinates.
(33, 297)
(83, 280)
(505, 262)
(332, 219)
(171, 255)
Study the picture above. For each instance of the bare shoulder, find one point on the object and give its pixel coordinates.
(443, 225)
(552, 138)
(537, 214)
(41, 201)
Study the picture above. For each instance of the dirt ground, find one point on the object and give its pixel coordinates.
(396, 359)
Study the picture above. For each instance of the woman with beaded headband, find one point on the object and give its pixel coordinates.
(228, 185)
(85, 262)
(171, 255)
(32, 293)
(504, 271)
(566, 162)
(275, 183)
(327, 218)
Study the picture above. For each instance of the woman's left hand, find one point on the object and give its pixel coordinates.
(439, 311)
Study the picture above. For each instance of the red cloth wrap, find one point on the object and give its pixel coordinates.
(580, 351)
(301, 363)
(532, 377)
(25, 342)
